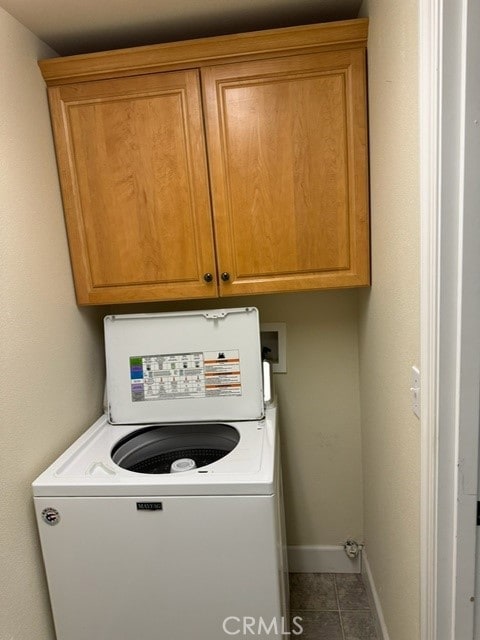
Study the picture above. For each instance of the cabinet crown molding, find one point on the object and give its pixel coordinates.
(205, 51)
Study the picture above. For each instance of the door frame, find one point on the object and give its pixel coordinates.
(449, 91)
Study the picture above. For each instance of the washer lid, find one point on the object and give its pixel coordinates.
(185, 366)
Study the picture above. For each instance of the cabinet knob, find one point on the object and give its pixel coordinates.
(225, 276)
(208, 277)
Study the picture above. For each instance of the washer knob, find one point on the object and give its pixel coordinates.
(208, 277)
(225, 276)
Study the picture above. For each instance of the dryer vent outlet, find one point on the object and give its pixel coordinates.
(352, 548)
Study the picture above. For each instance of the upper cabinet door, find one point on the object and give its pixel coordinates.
(132, 165)
(288, 166)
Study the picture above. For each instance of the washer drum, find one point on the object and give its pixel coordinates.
(154, 449)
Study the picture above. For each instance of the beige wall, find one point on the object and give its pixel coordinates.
(320, 411)
(389, 317)
(320, 415)
(51, 354)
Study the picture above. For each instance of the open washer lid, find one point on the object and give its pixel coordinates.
(184, 367)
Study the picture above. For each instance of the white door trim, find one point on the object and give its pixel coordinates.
(429, 90)
(450, 308)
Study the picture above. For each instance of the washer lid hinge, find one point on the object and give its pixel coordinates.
(215, 315)
(223, 313)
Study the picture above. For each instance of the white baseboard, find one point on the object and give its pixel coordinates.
(321, 559)
(382, 630)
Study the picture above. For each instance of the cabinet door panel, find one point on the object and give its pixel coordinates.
(135, 187)
(287, 154)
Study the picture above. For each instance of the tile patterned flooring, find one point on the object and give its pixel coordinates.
(333, 606)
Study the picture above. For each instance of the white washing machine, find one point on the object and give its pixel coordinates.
(165, 519)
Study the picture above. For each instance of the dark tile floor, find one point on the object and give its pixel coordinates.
(333, 606)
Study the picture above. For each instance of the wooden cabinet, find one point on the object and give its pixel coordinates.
(133, 170)
(282, 137)
(249, 165)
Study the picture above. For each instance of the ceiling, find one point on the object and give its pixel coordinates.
(82, 26)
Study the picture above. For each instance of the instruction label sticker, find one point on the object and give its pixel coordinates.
(222, 373)
(185, 375)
